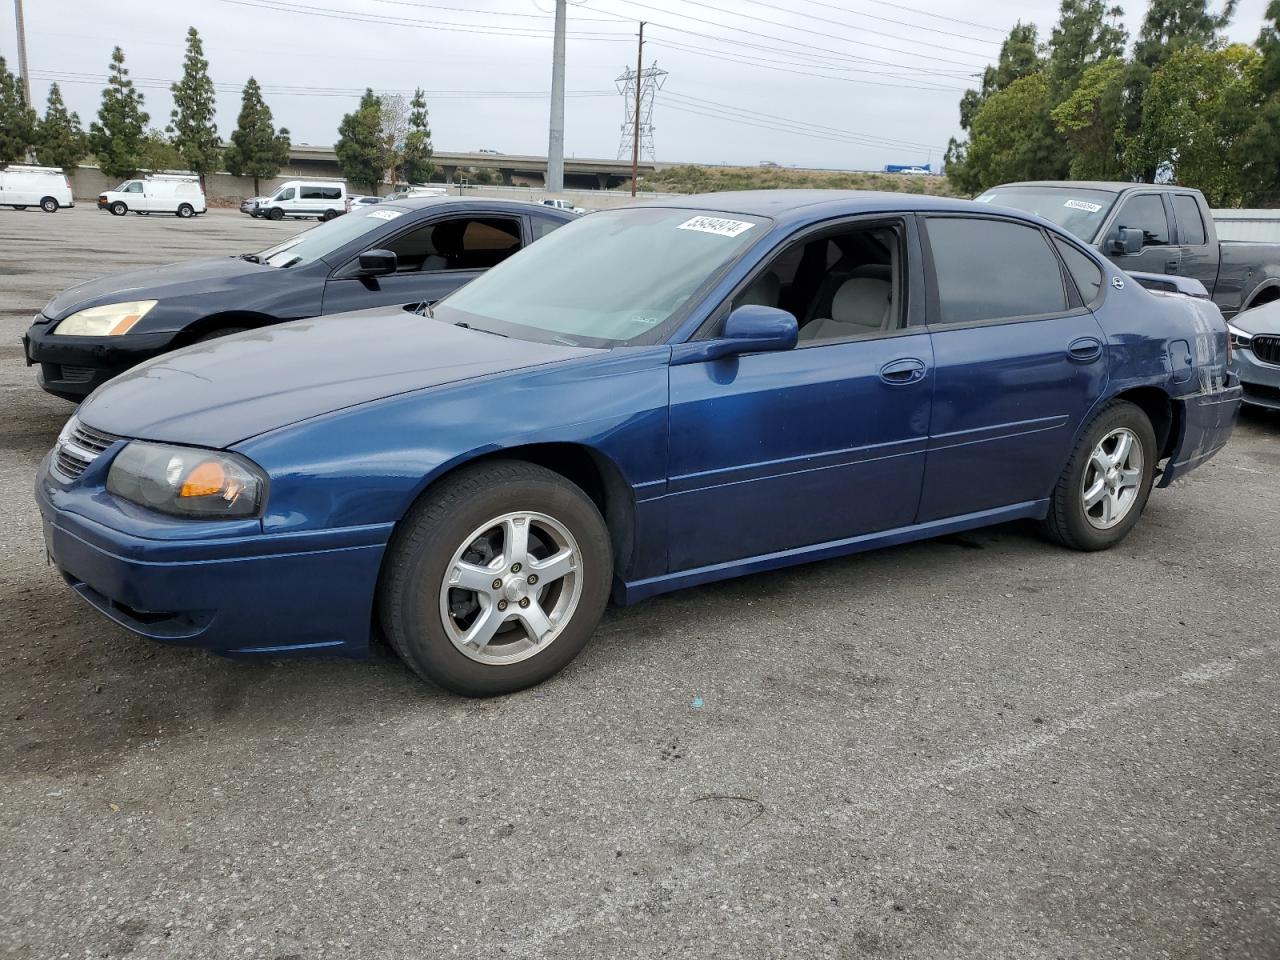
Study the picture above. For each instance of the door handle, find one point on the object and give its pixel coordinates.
(905, 370)
(1171, 266)
(1085, 350)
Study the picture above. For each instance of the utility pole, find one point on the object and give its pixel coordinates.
(22, 52)
(635, 143)
(555, 141)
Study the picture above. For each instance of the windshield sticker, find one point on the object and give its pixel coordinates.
(384, 214)
(1083, 205)
(717, 225)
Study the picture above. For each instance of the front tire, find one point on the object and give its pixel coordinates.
(49, 205)
(186, 211)
(19, 206)
(1106, 483)
(276, 214)
(496, 579)
(118, 209)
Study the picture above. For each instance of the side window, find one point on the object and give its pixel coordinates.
(287, 194)
(466, 243)
(487, 242)
(993, 269)
(1086, 273)
(310, 192)
(330, 193)
(135, 187)
(1146, 211)
(1190, 223)
(841, 285)
(542, 226)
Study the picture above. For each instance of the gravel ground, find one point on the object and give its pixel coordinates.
(981, 746)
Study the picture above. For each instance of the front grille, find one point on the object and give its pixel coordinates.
(1262, 392)
(1266, 348)
(79, 448)
(76, 374)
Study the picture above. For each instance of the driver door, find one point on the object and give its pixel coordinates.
(1148, 213)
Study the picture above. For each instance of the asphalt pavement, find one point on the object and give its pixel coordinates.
(982, 746)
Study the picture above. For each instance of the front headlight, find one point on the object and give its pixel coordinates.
(108, 320)
(187, 481)
(1238, 337)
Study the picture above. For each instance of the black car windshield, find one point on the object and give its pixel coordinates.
(610, 278)
(318, 242)
(1076, 210)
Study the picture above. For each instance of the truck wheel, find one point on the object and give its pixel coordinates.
(185, 210)
(496, 579)
(118, 209)
(276, 214)
(328, 215)
(49, 205)
(1105, 485)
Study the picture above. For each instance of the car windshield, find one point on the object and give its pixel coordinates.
(1078, 211)
(318, 242)
(612, 278)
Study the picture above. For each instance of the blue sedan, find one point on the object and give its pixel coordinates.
(649, 398)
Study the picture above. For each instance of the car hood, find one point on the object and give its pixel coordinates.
(1263, 319)
(155, 283)
(223, 391)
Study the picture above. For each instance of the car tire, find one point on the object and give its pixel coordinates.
(19, 206)
(328, 215)
(186, 211)
(466, 521)
(1104, 487)
(118, 209)
(49, 205)
(276, 214)
(219, 334)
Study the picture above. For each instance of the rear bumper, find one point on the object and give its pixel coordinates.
(1207, 422)
(73, 367)
(266, 595)
(1261, 381)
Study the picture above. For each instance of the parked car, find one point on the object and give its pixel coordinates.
(354, 203)
(45, 187)
(651, 398)
(562, 205)
(179, 194)
(1255, 354)
(250, 205)
(322, 199)
(410, 251)
(415, 190)
(1154, 229)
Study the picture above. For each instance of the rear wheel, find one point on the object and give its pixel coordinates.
(497, 579)
(19, 206)
(276, 214)
(185, 210)
(1106, 483)
(328, 215)
(49, 205)
(118, 209)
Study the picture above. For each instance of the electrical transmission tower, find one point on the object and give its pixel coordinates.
(650, 82)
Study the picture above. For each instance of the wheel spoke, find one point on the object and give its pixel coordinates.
(1095, 493)
(554, 567)
(535, 620)
(515, 534)
(1110, 507)
(1121, 453)
(1100, 461)
(1130, 478)
(486, 624)
(471, 576)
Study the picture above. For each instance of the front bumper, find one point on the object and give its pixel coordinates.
(258, 595)
(1261, 381)
(73, 367)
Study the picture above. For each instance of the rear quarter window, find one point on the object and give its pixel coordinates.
(1086, 274)
(1190, 223)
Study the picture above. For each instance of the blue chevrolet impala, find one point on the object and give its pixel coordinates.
(647, 399)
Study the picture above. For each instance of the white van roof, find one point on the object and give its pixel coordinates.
(172, 175)
(314, 180)
(26, 168)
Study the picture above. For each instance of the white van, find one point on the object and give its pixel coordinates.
(177, 193)
(46, 187)
(412, 191)
(322, 199)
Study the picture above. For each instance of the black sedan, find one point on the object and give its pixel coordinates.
(408, 251)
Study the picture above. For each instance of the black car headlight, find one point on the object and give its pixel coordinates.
(187, 481)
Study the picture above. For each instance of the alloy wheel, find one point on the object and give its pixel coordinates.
(1113, 478)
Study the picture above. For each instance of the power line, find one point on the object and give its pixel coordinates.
(871, 16)
(917, 10)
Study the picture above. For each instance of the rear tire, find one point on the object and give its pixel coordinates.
(1106, 483)
(328, 215)
(19, 206)
(473, 523)
(186, 211)
(276, 214)
(118, 209)
(49, 205)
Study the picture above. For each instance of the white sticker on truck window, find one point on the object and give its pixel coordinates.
(720, 226)
(1083, 205)
(385, 214)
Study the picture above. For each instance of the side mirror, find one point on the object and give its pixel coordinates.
(748, 329)
(377, 263)
(1126, 241)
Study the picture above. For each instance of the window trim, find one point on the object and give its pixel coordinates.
(1074, 306)
(908, 317)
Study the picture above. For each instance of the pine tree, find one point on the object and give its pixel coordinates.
(60, 140)
(116, 137)
(1086, 33)
(418, 165)
(257, 150)
(17, 121)
(360, 149)
(194, 133)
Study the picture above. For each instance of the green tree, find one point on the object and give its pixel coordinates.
(1087, 33)
(418, 165)
(17, 121)
(1090, 121)
(158, 152)
(60, 140)
(1008, 139)
(362, 154)
(1197, 106)
(1258, 149)
(116, 137)
(195, 135)
(257, 149)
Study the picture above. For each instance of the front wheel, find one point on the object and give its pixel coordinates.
(185, 211)
(276, 214)
(19, 206)
(1106, 483)
(118, 209)
(49, 205)
(496, 579)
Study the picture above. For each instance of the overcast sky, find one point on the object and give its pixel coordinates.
(880, 79)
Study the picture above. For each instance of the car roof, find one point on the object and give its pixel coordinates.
(802, 205)
(495, 204)
(1112, 186)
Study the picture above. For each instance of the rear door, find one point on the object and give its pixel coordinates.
(1149, 213)
(1019, 361)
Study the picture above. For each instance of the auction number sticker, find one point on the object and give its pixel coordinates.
(386, 214)
(1083, 205)
(720, 226)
